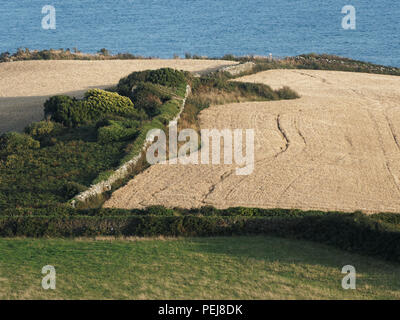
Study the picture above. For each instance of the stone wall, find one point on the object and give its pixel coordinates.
(123, 171)
(239, 68)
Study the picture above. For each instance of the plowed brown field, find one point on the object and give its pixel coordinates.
(335, 148)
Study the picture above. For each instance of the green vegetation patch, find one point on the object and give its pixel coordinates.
(83, 140)
(97, 104)
(67, 54)
(165, 77)
(114, 131)
(36, 177)
(243, 267)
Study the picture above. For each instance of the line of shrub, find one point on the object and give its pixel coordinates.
(217, 89)
(375, 235)
(314, 61)
(118, 131)
(168, 112)
(220, 84)
(305, 61)
(206, 211)
(165, 77)
(67, 54)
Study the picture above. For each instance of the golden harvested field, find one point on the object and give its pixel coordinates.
(335, 148)
(25, 85)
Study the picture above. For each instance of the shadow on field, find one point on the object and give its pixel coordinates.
(287, 251)
(18, 112)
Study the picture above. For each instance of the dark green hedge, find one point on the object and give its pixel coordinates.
(66, 210)
(166, 77)
(118, 131)
(149, 98)
(376, 235)
(14, 142)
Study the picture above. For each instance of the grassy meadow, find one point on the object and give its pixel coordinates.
(191, 268)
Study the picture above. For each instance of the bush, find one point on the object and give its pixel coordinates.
(220, 84)
(149, 98)
(97, 104)
(257, 89)
(166, 77)
(118, 131)
(14, 142)
(151, 105)
(100, 102)
(62, 109)
(67, 111)
(287, 93)
(158, 211)
(42, 128)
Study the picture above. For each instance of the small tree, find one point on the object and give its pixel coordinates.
(104, 52)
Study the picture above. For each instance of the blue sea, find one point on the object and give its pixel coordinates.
(213, 28)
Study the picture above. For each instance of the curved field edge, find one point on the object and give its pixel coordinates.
(332, 149)
(193, 268)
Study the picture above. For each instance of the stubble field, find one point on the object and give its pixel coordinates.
(335, 148)
(26, 85)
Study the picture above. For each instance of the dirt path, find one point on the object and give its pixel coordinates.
(25, 85)
(335, 148)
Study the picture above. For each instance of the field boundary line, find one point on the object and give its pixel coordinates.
(124, 170)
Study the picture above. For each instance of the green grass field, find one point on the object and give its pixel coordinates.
(196, 268)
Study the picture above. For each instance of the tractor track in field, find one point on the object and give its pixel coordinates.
(335, 148)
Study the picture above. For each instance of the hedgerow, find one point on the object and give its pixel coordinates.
(168, 111)
(118, 131)
(312, 61)
(150, 97)
(219, 85)
(166, 77)
(376, 235)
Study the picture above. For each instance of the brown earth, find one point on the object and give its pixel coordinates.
(335, 148)
(25, 85)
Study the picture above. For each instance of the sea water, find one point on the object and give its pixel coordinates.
(207, 27)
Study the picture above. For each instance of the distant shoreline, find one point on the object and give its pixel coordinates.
(104, 54)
